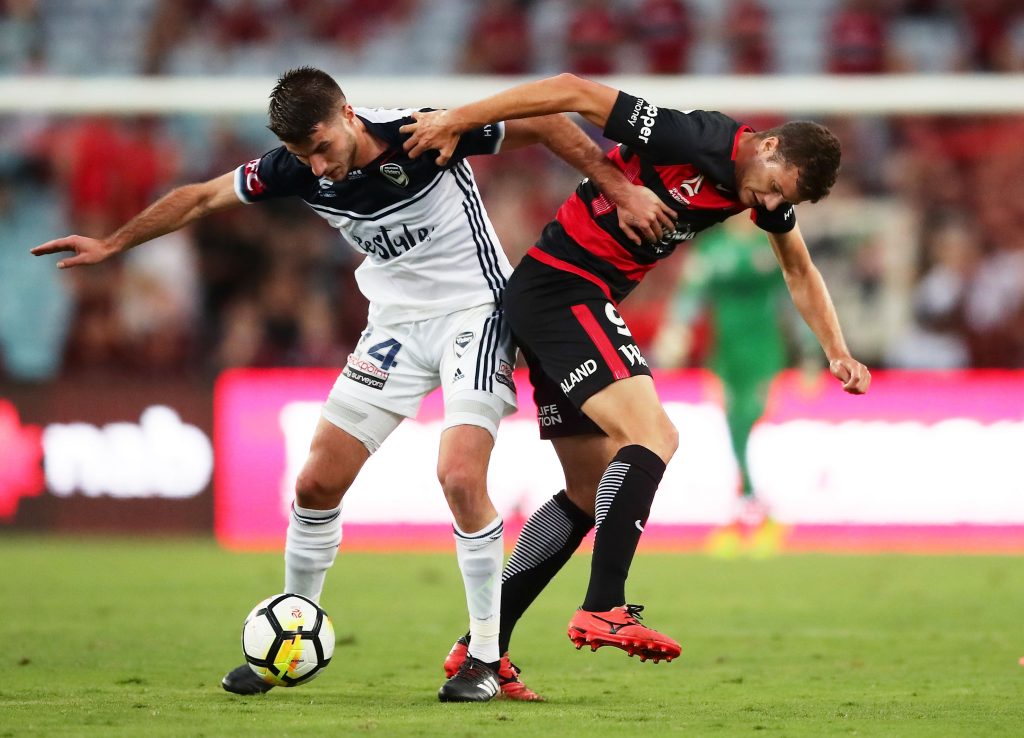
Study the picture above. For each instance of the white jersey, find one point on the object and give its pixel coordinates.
(430, 248)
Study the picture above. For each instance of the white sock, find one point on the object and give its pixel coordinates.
(310, 549)
(480, 556)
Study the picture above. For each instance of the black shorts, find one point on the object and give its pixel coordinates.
(574, 341)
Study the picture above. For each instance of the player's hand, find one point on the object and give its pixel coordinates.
(433, 130)
(87, 250)
(642, 214)
(855, 376)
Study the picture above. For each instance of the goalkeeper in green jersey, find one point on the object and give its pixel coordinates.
(735, 282)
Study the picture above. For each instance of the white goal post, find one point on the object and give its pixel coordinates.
(792, 95)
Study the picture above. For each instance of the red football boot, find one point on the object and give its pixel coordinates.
(621, 627)
(456, 656)
(511, 687)
(508, 674)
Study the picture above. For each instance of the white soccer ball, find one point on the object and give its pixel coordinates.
(287, 640)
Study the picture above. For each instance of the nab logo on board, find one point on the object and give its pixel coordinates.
(160, 456)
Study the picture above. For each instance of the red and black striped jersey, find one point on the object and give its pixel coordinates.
(687, 159)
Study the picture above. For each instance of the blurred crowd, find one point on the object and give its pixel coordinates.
(271, 285)
(510, 36)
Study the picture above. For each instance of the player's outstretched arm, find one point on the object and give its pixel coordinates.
(174, 210)
(642, 215)
(565, 93)
(811, 297)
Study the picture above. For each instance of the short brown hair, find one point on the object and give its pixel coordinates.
(813, 150)
(301, 99)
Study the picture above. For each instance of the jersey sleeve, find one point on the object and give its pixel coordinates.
(665, 135)
(780, 220)
(485, 140)
(275, 174)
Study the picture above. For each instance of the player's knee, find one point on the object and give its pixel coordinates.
(464, 487)
(664, 441)
(313, 493)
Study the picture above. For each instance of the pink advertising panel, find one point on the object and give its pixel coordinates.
(924, 462)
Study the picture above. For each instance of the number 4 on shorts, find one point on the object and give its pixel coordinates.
(385, 352)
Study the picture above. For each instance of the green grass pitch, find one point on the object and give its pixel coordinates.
(130, 638)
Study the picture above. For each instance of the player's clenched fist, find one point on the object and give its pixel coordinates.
(855, 376)
(86, 250)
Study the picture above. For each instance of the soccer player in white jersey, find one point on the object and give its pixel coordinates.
(434, 275)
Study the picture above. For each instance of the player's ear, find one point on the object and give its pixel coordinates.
(347, 113)
(769, 145)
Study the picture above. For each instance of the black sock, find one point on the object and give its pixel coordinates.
(624, 498)
(547, 542)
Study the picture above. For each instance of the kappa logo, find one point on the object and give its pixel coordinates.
(462, 342)
(667, 244)
(395, 173)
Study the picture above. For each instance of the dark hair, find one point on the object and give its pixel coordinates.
(301, 99)
(813, 150)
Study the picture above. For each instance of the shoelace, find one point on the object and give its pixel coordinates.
(472, 666)
(633, 611)
(513, 678)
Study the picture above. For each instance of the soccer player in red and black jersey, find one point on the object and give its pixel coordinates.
(595, 396)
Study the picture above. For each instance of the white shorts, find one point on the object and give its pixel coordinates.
(393, 367)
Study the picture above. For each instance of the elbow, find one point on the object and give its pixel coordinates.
(568, 79)
(571, 90)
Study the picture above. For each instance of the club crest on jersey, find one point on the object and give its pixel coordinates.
(395, 173)
(690, 186)
(327, 188)
(462, 341)
(503, 374)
